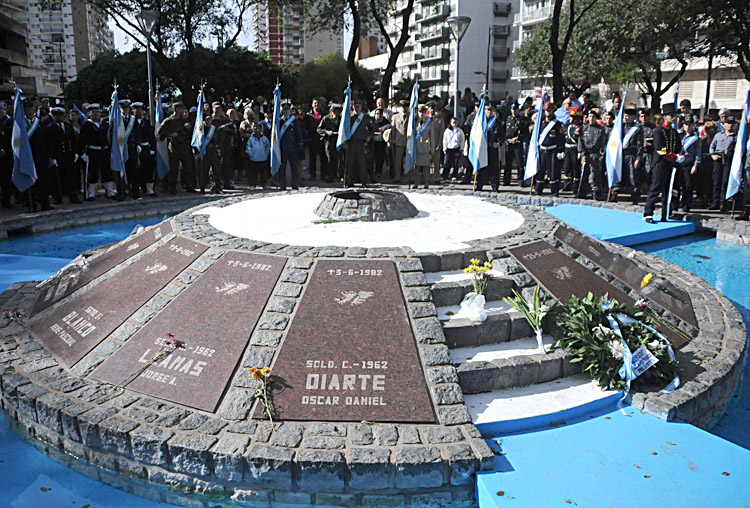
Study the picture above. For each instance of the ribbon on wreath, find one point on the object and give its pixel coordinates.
(630, 364)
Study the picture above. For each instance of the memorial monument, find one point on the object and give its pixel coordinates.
(139, 364)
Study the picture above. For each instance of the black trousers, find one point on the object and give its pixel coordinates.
(68, 178)
(335, 166)
(99, 166)
(661, 173)
(514, 152)
(181, 155)
(148, 166)
(6, 174)
(549, 171)
(451, 163)
(379, 150)
(688, 184)
(316, 150)
(571, 167)
(632, 177)
(720, 179)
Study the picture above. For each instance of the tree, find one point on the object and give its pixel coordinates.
(726, 29)
(94, 82)
(239, 73)
(558, 43)
(402, 91)
(327, 76)
(182, 26)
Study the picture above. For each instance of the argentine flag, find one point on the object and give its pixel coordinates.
(24, 171)
(162, 149)
(735, 171)
(119, 155)
(199, 130)
(411, 130)
(80, 113)
(532, 158)
(676, 105)
(478, 139)
(275, 140)
(345, 125)
(613, 153)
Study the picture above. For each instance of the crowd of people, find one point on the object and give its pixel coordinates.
(71, 149)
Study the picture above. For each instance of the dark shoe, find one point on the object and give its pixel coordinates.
(229, 187)
(91, 198)
(216, 191)
(426, 186)
(650, 220)
(744, 216)
(203, 191)
(191, 191)
(282, 188)
(297, 188)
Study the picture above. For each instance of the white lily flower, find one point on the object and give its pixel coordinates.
(615, 347)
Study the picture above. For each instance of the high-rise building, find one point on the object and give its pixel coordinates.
(530, 15)
(65, 36)
(284, 33)
(485, 60)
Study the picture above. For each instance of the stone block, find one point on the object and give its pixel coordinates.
(360, 434)
(454, 415)
(321, 470)
(88, 425)
(190, 453)
(287, 435)
(115, 435)
(410, 265)
(270, 466)
(327, 429)
(451, 260)
(428, 331)
(370, 469)
(227, 457)
(149, 444)
(324, 443)
(422, 310)
(48, 411)
(442, 435)
(418, 467)
(435, 355)
(463, 464)
(326, 499)
(411, 279)
(477, 377)
(385, 434)
(251, 498)
(447, 394)
(438, 375)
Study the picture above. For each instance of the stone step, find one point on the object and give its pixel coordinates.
(510, 365)
(535, 406)
(449, 288)
(503, 323)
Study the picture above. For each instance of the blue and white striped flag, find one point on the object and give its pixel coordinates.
(411, 130)
(119, 155)
(532, 158)
(735, 171)
(345, 125)
(275, 139)
(613, 153)
(478, 139)
(162, 147)
(199, 130)
(80, 113)
(676, 105)
(24, 171)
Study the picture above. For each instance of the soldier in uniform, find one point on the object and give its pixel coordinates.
(424, 149)
(39, 193)
(362, 129)
(328, 130)
(222, 147)
(632, 153)
(62, 149)
(94, 144)
(315, 147)
(691, 144)
(399, 123)
(292, 143)
(491, 172)
(514, 138)
(132, 167)
(147, 151)
(209, 162)
(176, 129)
(551, 140)
(571, 161)
(591, 148)
(667, 147)
(437, 126)
(722, 151)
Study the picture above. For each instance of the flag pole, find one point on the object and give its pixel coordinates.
(531, 187)
(734, 201)
(346, 144)
(609, 194)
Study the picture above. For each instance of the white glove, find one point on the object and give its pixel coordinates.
(560, 156)
(151, 152)
(54, 162)
(85, 157)
(138, 149)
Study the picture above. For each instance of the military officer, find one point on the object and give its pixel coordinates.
(632, 153)
(491, 172)
(571, 161)
(62, 145)
(132, 139)
(95, 146)
(591, 148)
(147, 155)
(176, 128)
(362, 129)
(292, 143)
(667, 148)
(514, 138)
(551, 140)
(328, 130)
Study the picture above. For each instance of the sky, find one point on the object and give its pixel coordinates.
(123, 43)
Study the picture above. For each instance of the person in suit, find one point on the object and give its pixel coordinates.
(667, 147)
(62, 150)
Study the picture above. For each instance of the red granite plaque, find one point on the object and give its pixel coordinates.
(74, 278)
(663, 293)
(212, 319)
(563, 277)
(74, 329)
(350, 354)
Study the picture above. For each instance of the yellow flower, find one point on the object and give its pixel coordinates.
(475, 261)
(257, 375)
(253, 369)
(266, 371)
(646, 280)
(488, 264)
(467, 269)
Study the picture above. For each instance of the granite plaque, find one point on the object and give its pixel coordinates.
(563, 277)
(663, 293)
(350, 354)
(74, 278)
(75, 328)
(213, 319)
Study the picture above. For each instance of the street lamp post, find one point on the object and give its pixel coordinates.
(458, 25)
(147, 20)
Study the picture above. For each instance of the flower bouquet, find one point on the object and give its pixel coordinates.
(262, 378)
(533, 311)
(472, 306)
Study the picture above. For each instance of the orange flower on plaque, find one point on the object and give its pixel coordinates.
(257, 375)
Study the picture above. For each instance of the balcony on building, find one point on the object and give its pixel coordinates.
(500, 74)
(532, 16)
(436, 56)
(501, 31)
(516, 44)
(500, 53)
(502, 8)
(435, 34)
(436, 13)
(432, 79)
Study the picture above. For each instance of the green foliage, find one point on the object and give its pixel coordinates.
(402, 91)
(535, 311)
(237, 72)
(327, 76)
(587, 337)
(94, 82)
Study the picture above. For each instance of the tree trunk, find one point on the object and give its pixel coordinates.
(390, 69)
(351, 63)
(558, 56)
